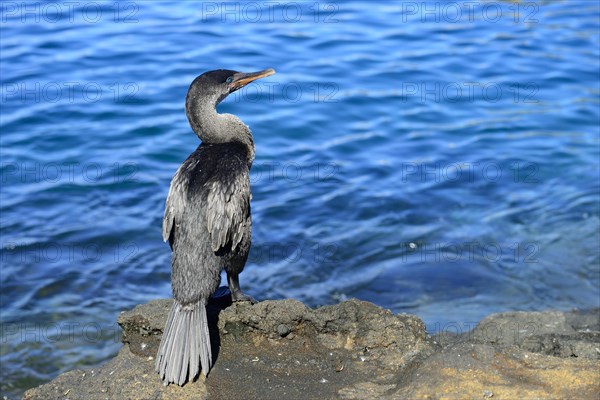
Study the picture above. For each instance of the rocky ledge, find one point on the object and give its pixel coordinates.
(352, 350)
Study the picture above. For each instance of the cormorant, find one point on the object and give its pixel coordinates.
(207, 222)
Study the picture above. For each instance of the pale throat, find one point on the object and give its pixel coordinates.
(212, 127)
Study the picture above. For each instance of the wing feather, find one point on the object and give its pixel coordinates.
(177, 199)
(215, 178)
(228, 204)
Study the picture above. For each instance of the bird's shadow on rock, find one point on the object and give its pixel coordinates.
(219, 301)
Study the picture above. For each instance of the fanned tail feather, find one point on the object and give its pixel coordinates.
(185, 345)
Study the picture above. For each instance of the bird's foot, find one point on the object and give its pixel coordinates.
(238, 295)
(233, 282)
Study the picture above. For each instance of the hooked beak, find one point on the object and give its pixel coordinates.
(242, 79)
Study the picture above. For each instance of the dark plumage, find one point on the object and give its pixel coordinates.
(207, 222)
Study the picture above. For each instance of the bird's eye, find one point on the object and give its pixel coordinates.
(229, 80)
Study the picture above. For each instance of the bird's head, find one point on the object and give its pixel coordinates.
(214, 86)
(206, 92)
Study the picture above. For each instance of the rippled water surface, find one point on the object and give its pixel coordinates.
(441, 163)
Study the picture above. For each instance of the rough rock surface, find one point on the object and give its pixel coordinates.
(353, 350)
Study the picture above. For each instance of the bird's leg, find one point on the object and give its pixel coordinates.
(233, 280)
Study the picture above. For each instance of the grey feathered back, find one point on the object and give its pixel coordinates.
(221, 189)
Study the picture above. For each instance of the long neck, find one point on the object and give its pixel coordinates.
(212, 127)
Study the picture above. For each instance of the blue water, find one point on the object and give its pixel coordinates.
(437, 158)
